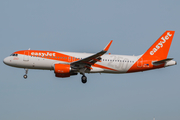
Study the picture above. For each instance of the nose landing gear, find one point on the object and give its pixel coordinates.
(26, 72)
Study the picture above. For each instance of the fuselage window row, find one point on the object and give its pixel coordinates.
(73, 58)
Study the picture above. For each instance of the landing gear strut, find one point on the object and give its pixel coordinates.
(26, 72)
(84, 79)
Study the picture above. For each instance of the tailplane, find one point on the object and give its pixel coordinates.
(162, 61)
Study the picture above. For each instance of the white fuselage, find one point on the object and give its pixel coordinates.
(120, 63)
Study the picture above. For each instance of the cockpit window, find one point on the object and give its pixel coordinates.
(14, 55)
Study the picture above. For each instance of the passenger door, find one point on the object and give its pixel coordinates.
(26, 56)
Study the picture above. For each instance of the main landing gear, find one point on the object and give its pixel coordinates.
(26, 72)
(84, 79)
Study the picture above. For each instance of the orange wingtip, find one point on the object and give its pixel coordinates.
(107, 47)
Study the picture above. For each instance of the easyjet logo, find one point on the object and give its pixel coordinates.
(43, 54)
(161, 43)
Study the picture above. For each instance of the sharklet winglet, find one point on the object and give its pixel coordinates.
(107, 47)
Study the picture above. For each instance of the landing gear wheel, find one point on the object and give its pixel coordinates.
(25, 76)
(26, 72)
(84, 79)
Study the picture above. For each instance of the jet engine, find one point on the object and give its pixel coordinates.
(63, 70)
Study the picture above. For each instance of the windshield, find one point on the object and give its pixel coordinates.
(14, 55)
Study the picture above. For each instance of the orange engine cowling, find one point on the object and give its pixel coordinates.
(63, 70)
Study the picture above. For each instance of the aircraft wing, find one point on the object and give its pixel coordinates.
(91, 60)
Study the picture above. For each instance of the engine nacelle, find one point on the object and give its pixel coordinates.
(63, 70)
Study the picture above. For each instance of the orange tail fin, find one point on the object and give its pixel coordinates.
(159, 50)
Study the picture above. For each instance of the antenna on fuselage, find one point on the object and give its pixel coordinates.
(29, 49)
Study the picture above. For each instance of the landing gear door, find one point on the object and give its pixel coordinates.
(26, 56)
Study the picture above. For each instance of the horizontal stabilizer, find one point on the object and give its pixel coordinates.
(162, 61)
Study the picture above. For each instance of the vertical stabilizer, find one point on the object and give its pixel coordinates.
(159, 50)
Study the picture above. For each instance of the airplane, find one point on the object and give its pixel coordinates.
(66, 64)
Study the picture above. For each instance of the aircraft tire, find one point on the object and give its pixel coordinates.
(25, 76)
(84, 79)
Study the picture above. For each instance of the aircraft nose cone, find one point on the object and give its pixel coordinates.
(5, 61)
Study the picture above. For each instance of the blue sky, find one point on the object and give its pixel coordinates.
(87, 26)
